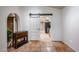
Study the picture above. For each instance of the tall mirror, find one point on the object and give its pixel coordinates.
(12, 27)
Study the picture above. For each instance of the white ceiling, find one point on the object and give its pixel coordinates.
(59, 7)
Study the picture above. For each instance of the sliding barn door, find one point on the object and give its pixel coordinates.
(34, 27)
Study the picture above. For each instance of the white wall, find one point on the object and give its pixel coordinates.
(56, 19)
(71, 26)
(23, 13)
(4, 12)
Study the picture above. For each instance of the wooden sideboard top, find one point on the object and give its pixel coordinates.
(19, 35)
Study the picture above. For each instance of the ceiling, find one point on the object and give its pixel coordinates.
(59, 7)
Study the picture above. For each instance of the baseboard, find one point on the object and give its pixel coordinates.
(69, 45)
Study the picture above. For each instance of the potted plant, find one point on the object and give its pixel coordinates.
(9, 37)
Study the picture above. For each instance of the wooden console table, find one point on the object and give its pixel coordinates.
(20, 38)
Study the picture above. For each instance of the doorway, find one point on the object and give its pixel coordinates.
(45, 26)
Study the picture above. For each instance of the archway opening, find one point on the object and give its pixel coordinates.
(12, 27)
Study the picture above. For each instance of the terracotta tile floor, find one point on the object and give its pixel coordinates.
(45, 44)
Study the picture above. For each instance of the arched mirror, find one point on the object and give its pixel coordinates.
(12, 27)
